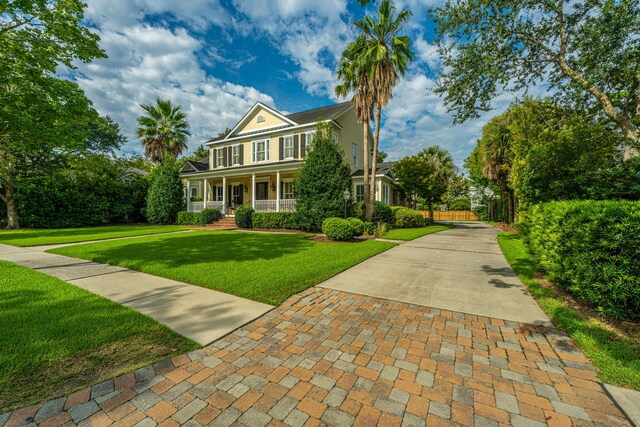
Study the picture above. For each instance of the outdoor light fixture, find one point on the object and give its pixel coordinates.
(347, 196)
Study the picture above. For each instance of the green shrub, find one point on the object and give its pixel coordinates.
(204, 217)
(592, 249)
(187, 218)
(274, 220)
(408, 218)
(381, 212)
(338, 229)
(165, 197)
(369, 228)
(358, 226)
(244, 216)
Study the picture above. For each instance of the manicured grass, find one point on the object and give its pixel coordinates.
(75, 235)
(617, 359)
(264, 267)
(413, 233)
(57, 338)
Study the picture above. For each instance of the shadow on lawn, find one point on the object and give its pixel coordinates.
(197, 248)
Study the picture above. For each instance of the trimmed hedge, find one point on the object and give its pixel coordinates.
(381, 212)
(338, 229)
(358, 226)
(244, 216)
(204, 217)
(407, 218)
(592, 249)
(274, 220)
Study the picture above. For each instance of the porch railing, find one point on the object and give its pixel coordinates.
(196, 206)
(215, 205)
(286, 205)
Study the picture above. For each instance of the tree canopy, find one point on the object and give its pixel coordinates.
(163, 129)
(586, 51)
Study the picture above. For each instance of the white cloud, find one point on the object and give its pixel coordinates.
(312, 33)
(116, 14)
(146, 62)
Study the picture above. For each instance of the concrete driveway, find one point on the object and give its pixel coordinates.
(461, 269)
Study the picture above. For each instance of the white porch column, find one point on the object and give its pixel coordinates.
(253, 190)
(278, 191)
(188, 197)
(206, 193)
(224, 194)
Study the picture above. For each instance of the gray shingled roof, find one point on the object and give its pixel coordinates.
(303, 117)
(311, 116)
(381, 169)
(200, 165)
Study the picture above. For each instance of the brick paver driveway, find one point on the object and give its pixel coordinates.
(332, 358)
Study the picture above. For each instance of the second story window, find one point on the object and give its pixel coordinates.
(220, 154)
(260, 151)
(310, 136)
(355, 155)
(288, 147)
(235, 158)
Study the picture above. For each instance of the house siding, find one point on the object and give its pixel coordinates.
(269, 120)
(351, 133)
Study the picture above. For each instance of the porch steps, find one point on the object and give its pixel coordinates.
(226, 223)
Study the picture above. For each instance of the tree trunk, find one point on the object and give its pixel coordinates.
(431, 216)
(374, 160)
(510, 206)
(366, 202)
(12, 207)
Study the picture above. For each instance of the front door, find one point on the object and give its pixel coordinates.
(262, 191)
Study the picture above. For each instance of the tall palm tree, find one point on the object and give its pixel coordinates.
(384, 54)
(164, 129)
(354, 77)
(441, 171)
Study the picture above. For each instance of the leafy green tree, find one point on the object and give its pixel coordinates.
(166, 194)
(498, 155)
(372, 65)
(382, 156)
(164, 129)
(587, 51)
(457, 195)
(321, 182)
(426, 175)
(40, 115)
(83, 190)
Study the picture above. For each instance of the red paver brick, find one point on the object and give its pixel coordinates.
(77, 398)
(124, 381)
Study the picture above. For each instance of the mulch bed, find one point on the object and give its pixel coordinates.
(506, 227)
(324, 239)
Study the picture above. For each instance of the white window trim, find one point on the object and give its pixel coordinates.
(220, 190)
(284, 149)
(233, 148)
(196, 186)
(254, 152)
(220, 157)
(287, 181)
(355, 191)
(354, 154)
(308, 143)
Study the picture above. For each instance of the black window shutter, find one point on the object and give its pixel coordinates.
(215, 157)
(241, 149)
(303, 144)
(230, 155)
(281, 148)
(295, 146)
(224, 156)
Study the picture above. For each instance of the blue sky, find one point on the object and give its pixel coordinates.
(216, 58)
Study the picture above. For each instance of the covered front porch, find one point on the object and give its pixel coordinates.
(269, 192)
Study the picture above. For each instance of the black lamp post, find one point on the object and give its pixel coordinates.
(347, 196)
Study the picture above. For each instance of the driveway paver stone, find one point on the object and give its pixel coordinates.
(449, 368)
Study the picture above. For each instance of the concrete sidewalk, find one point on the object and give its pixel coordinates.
(462, 269)
(201, 314)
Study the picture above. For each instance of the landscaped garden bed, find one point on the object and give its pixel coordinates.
(57, 338)
(265, 267)
(35, 237)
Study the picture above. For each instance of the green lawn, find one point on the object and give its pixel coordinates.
(265, 267)
(617, 359)
(75, 235)
(56, 338)
(413, 233)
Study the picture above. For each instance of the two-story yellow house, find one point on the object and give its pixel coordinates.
(256, 162)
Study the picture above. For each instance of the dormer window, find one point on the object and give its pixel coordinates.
(260, 119)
